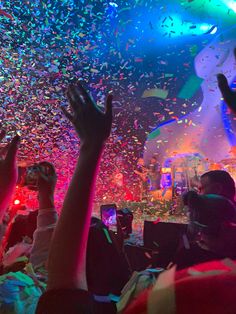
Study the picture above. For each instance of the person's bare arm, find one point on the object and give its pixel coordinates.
(66, 264)
(47, 215)
(8, 173)
(228, 94)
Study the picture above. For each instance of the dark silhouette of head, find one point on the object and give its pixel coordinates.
(218, 182)
(213, 220)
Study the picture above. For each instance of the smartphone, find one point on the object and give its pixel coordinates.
(28, 176)
(109, 216)
(32, 174)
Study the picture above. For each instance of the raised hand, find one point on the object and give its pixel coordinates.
(46, 185)
(71, 233)
(92, 125)
(8, 173)
(227, 93)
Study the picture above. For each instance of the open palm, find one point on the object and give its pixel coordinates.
(91, 124)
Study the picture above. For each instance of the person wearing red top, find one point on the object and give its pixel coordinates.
(205, 288)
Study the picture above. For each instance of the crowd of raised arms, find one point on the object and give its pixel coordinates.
(74, 266)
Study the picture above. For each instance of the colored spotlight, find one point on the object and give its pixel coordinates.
(175, 26)
(204, 27)
(16, 202)
(210, 29)
(214, 30)
(113, 4)
(231, 4)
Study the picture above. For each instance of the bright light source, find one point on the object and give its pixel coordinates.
(113, 4)
(175, 26)
(214, 30)
(16, 202)
(231, 4)
(205, 27)
(208, 28)
(211, 29)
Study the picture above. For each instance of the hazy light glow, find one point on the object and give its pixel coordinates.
(214, 30)
(176, 26)
(230, 4)
(205, 27)
(113, 4)
(16, 202)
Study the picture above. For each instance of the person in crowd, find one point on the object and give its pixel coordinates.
(205, 288)
(217, 182)
(203, 270)
(67, 284)
(37, 226)
(107, 269)
(23, 227)
(47, 215)
(142, 173)
(102, 251)
(154, 174)
(194, 290)
(214, 218)
(8, 173)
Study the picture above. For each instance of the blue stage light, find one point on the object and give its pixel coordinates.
(214, 30)
(205, 27)
(209, 29)
(231, 4)
(113, 4)
(175, 26)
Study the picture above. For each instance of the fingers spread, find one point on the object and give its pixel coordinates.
(12, 151)
(71, 98)
(82, 92)
(48, 168)
(67, 114)
(71, 118)
(76, 99)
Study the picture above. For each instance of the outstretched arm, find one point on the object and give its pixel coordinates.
(227, 93)
(66, 264)
(47, 215)
(8, 174)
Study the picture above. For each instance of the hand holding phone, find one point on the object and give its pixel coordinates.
(32, 175)
(109, 216)
(28, 176)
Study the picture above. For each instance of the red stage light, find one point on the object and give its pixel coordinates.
(16, 202)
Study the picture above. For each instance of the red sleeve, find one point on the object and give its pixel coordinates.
(139, 305)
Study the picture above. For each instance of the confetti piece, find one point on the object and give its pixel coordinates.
(154, 134)
(107, 235)
(190, 87)
(147, 255)
(155, 92)
(9, 16)
(157, 220)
